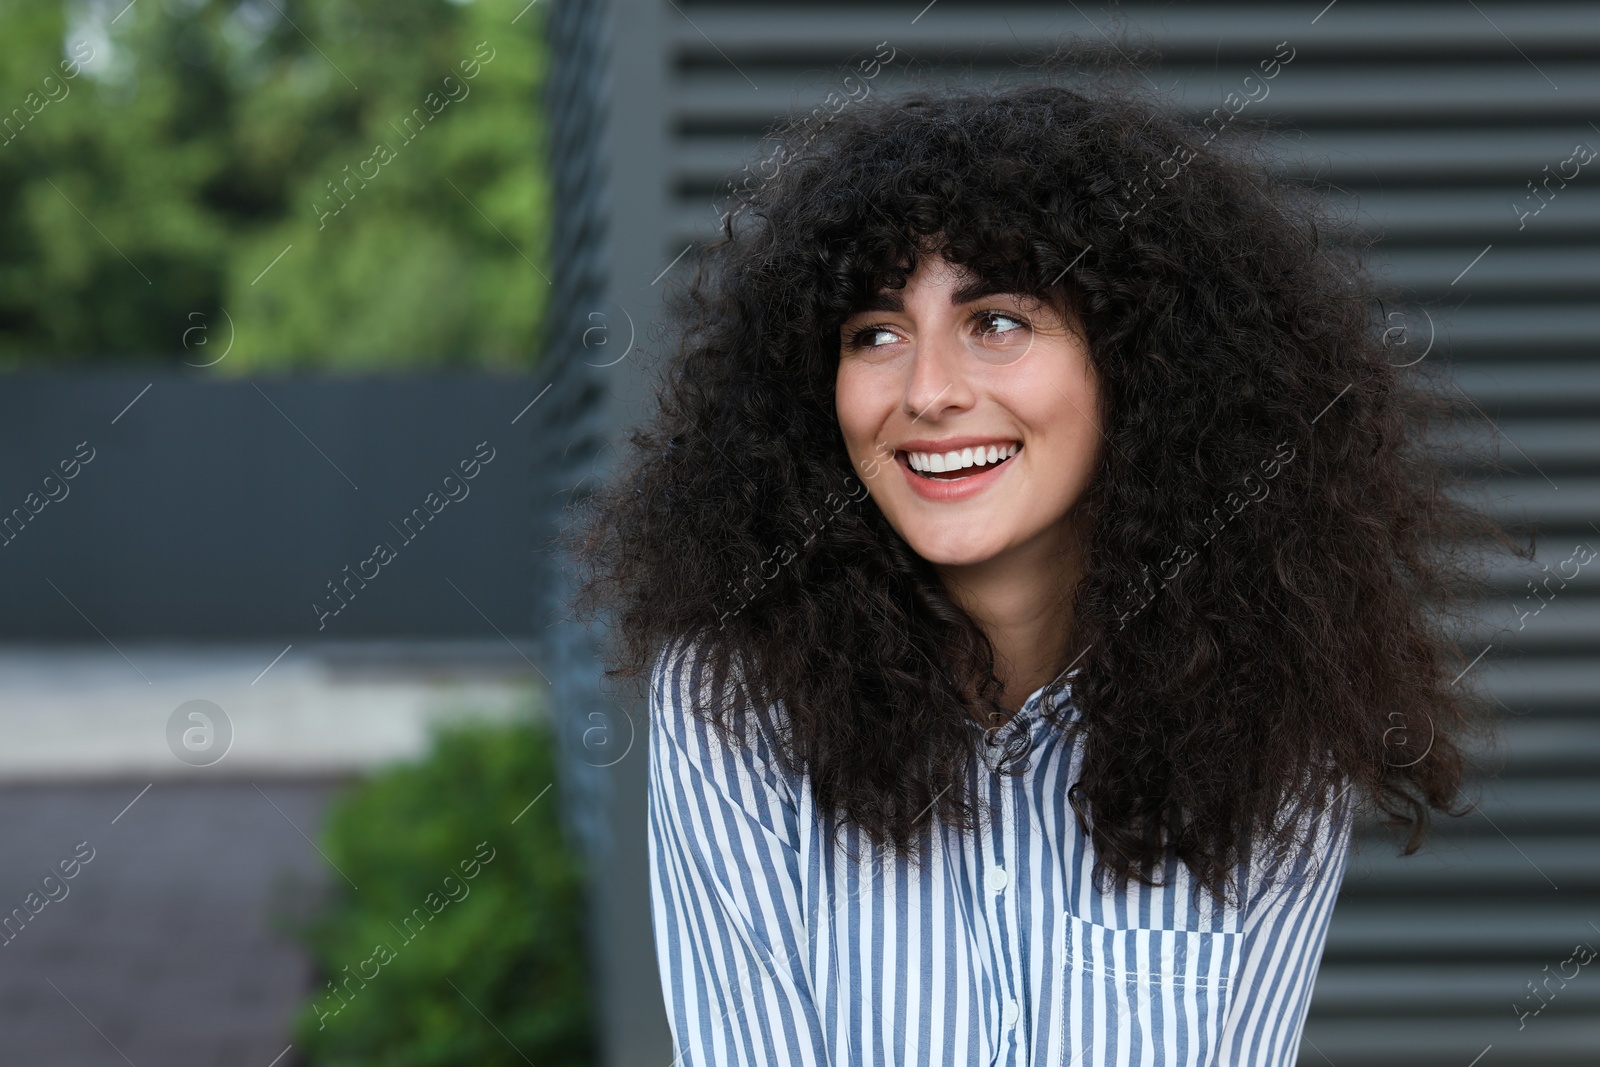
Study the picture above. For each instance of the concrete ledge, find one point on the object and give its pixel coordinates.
(85, 713)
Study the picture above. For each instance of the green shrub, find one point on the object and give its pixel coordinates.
(464, 942)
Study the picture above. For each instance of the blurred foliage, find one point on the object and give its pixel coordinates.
(501, 933)
(156, 157)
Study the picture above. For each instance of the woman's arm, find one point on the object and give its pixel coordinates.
(730, 932)
(1284, 929)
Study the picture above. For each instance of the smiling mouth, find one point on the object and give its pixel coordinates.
(955, 475)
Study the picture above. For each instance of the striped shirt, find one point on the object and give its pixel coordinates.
(776, 948)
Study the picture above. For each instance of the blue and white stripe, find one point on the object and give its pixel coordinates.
(776, 949)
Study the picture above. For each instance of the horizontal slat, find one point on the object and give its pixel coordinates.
(1482, 330)
(1528, 624)
(733, 94)
(1512, 804)
(1450, 930)
(1504, 268)
(1454, 864)
(1532, 745)
(1458, 1039)
(1405, 216)
(1571, 501)
(1402, 989)
(1531, 385)
(1557, 559)
(706, 176)
(1555, 685)
(1367, 159)
(1415, 33)
(1552, 443)
(1497, 166)
(1557, 556)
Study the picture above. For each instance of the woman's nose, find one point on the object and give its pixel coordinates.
(937, 377)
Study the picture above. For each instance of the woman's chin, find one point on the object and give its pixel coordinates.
(955, 551)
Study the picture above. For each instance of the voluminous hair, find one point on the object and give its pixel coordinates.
(1264, 617)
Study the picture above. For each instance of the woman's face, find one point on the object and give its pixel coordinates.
(939, 370)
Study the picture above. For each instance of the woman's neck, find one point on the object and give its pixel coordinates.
(1022, 599)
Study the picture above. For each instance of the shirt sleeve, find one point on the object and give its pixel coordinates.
(1285, 927)
(725, 880)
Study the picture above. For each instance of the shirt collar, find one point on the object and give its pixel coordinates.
(1032, 709)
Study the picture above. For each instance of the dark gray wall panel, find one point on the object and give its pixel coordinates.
(221, 510)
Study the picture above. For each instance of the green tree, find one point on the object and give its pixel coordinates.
(350, 184)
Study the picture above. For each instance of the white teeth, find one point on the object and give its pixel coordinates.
(938, 462)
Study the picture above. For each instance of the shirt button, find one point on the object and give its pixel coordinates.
(1013, 1013)
(996, 880)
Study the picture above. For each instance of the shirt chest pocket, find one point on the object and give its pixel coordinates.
(1140, 996)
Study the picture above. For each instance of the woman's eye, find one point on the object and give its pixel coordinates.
(994, 323)
(869, 337)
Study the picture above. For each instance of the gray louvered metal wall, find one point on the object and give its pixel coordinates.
(604, 101)
(1429, 120)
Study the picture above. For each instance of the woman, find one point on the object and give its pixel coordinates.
(1037, 560)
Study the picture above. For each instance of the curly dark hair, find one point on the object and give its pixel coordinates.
(1279, 541)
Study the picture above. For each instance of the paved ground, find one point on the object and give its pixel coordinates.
(164, 949)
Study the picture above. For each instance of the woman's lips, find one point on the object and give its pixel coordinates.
(944, 490)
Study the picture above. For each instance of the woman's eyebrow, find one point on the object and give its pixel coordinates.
(890, 300)
(975, 289)
(885, 300)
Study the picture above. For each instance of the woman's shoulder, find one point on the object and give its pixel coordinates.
(692, 674)
(703, 704)
(1310, 845)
